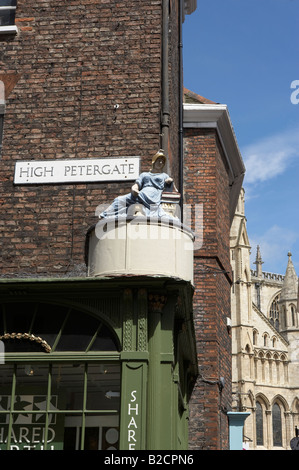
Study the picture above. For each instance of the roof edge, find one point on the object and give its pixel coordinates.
(216, 116)
(195, 98)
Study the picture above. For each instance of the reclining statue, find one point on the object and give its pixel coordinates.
(145, 196)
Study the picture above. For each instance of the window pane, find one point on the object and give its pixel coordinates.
(103, 387)
(48, 330)
(8, 3)
(68, 383)
(91, 438)
(104, 341)
(77, 334)
(18, 317)
(70, 438)
(33, 377)
(22, 345)
(110, 438)
(98, 434)
(7, 17)
(6, 373)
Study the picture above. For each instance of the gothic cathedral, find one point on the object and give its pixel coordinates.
(265, 344)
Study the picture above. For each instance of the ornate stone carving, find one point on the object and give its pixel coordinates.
(157, 302)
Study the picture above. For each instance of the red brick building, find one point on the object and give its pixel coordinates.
(213, 174)
(82, 79)
(90, 79)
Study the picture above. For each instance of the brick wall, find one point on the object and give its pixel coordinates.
(70, 64)
(206, 182)
(174, 80)
(65, 71)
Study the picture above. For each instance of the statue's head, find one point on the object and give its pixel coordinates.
(159, 159)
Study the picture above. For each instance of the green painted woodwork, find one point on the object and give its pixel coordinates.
(151, 317)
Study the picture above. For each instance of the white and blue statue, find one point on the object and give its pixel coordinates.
(145, 196)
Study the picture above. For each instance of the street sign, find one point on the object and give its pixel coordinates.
(76, 171)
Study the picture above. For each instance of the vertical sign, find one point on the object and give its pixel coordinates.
(133, 419)
(132, 434)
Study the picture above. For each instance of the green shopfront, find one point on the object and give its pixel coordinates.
(96, 363)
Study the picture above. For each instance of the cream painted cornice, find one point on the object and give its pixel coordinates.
(216, 116)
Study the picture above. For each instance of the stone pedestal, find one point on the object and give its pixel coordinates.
(140, 246)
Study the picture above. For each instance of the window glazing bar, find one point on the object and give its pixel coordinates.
(61, 330)
(4, 319)
(84, 407)
(62, 411)
(13, 394)
(48, 405)
(94, 337)
(33, 318)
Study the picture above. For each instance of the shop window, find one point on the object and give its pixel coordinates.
(60, 381)
(35, 327)
(7, 16)
(61, 406)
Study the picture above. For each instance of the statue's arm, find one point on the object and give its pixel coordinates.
(135, 189)
(169, 180)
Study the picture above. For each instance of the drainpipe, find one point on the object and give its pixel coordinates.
(2, 111)
(181, 97)
(165, 77)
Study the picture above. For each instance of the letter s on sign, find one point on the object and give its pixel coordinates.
(133, 397)
(295, 94)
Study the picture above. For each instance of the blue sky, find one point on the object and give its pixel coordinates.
(245, 54)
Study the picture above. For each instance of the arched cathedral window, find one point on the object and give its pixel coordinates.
(276, 425)
(259, 425)
(266, 339)
(254, 337)
(274, 312)
(293, 315)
